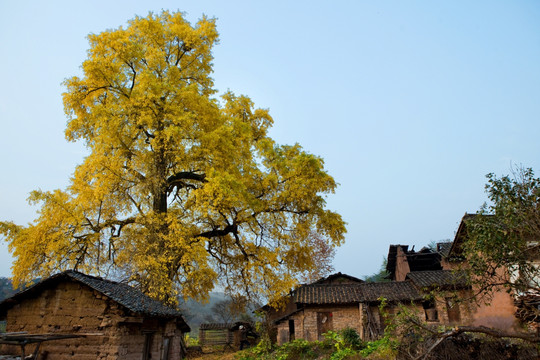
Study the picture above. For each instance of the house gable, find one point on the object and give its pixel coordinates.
(69, 303)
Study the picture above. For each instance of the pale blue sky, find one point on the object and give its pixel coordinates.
(410, 103)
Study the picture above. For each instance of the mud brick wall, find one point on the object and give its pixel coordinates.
(74, 308)
(467, 309)
(306, 326)
(283, 332)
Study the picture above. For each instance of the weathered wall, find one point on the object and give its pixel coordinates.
(374, 322)
(74, 308)
(283, 332)
(307, 327)
(402, 265)
(499, 312)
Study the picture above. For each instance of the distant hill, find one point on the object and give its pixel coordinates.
(6, 288)
(197, 313)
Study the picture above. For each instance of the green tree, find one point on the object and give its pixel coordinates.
(379, 276)
(502, 242)
(180, 189)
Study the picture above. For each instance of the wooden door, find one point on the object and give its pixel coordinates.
(324, 323)
(452, 308)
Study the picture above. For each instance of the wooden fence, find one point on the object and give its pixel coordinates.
(215, 334)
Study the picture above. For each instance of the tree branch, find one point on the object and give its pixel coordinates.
(217, 232)
(177, 180)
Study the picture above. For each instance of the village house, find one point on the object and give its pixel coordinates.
(440, 275)
(443, 288)
(431, 282)
(289, 306)
(116, 321)
(443, 293)
(337, 302)
(499, 311)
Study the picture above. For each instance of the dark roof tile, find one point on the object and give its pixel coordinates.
(338, 278)
(319, 294)
(125, 295)
(443, 248)
(439, 278)
(327, 294)
(391, 291)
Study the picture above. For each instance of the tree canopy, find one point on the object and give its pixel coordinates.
(380, 276)
(322, 255)
(501, 246)
(181, 189)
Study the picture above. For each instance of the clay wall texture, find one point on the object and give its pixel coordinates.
(500, 311)
(402, 265)
(306, 325)
(74, 308)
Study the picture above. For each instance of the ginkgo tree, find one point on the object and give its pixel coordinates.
(182, 189)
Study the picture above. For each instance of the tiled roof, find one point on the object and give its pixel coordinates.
(392, 291)
(461, 234)
(214, 326)
(355, 293)
(327, 294)
(443, 248)
(125, 295)
(439, 278)
(338, 277)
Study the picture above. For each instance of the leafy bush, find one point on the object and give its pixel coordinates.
(384, 348)
(296, 349)
(351, 338)
(191, 341)
(343, 345)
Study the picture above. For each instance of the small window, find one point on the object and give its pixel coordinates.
(430, 310)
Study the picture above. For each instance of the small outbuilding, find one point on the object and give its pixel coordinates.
(230, 335)
(118, 321)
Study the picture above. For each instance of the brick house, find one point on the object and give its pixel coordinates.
(443, 291)
(430, 282)
(500, 311)
(122, 322)
(440, 273)
(289, 306)
(338, 302)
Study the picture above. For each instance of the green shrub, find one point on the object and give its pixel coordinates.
(343, 345)
(351, 338)
(384, 347)
(191, 341)
(293, 350)
(296, 349)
